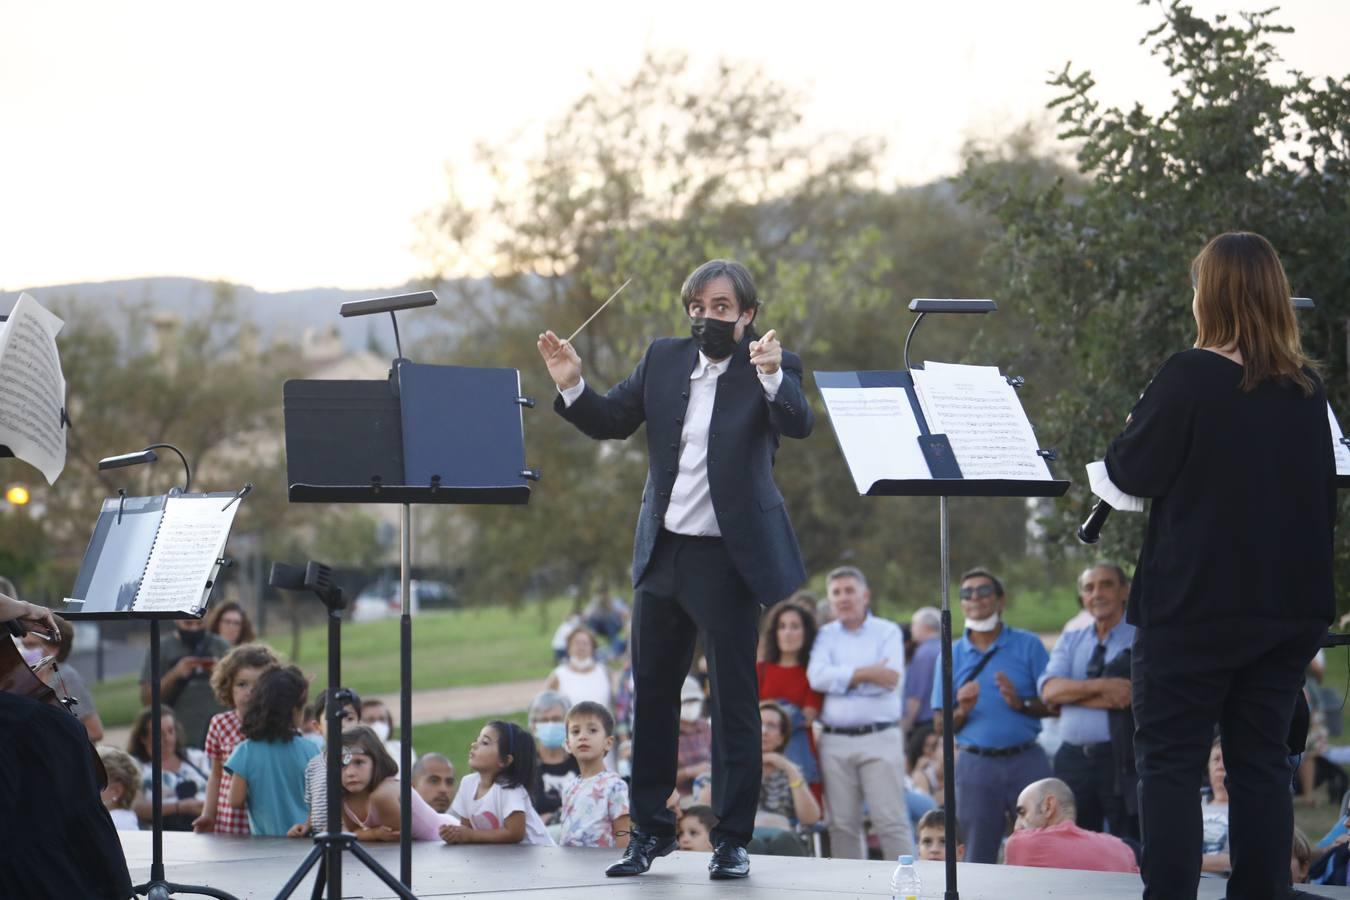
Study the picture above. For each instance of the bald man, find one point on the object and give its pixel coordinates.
(1047, 837)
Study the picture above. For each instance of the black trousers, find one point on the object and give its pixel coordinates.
(1090, 772)
(1245, 675)
(692, 591)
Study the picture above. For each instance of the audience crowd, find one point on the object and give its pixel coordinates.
(850, 735)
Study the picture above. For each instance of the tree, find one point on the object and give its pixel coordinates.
(647, 179)
(1101, 262)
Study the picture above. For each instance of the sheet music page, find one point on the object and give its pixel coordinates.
(191, 538)
(1342, 452)
(32, 388)
(877, 432)
(983, 419)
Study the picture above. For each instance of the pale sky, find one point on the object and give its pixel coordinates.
(292, 144)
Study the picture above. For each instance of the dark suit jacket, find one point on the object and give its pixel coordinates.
(742, 440)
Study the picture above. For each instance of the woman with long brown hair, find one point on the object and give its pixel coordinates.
(1233, 590)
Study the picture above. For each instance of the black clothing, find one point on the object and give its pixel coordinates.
(1125, 780)
(742, 440)
(692, 588)
(708, 588)
(1231, 597)
(545, 795)
(193, 700)
(1245, 676)
(1090, 771)
(1244, 496)
(59, 841)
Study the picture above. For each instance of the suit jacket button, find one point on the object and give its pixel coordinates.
(679, 421)
(670, 471)
(674, 446)
(684, 396)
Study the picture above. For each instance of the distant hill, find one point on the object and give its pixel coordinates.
(280, 314)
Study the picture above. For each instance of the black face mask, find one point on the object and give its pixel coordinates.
(191, 639)
(715, 337)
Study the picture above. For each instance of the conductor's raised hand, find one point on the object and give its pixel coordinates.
(766, 353)
(564, 366)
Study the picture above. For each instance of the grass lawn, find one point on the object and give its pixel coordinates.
(482, 645)
(453, 738)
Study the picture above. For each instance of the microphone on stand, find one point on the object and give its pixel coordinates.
(1091, 530)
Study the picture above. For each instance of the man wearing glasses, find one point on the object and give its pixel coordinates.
(997, 716)
(1089, 679)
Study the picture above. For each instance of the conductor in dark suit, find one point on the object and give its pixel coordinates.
(713, 541)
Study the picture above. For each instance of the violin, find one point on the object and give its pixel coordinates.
(42, 683)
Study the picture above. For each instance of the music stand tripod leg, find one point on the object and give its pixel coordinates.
(329, 846)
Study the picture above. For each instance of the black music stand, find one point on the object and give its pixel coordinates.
(427, 434)
(942, 480)
(109, 577)
(329, 844)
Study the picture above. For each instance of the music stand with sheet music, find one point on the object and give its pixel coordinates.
(427, 434)
(155, 558)
(882, 422)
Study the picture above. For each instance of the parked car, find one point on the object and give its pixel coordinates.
(382, 599)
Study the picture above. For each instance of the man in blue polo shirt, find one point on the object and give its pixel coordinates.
(997, 716)
(1086, 680)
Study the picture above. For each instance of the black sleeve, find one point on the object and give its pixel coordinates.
(1145, 459)
(788, 411)
(614, 416)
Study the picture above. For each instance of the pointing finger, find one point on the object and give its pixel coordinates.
(770, 335)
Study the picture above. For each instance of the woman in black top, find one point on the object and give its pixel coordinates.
(1233, 590)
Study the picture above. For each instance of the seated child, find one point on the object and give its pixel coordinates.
(595, 807)
(124, 783)
(370, 792)
(269, 766)
(493, 802)
(694, 830)
(932, 832)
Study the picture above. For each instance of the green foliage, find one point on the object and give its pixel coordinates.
(647, 179)
(1101, 265)
(134, 377)
(452, 738)
(460, 648)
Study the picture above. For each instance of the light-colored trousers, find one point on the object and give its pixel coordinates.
(865, 768)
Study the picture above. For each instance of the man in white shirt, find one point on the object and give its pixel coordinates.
(857, 662)
(713, 541)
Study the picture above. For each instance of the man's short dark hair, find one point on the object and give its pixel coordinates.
(936, 818)
(591, 709)
(980, 572)
(742, 284)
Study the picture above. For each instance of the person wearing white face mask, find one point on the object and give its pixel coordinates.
(380, 720)
(558, 769)
(581, 676)
(997, 717)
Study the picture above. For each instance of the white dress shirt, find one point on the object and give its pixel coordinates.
(691, 510)
(837, 653)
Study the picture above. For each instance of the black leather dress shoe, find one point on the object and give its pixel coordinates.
(641, 850)
(729, 861)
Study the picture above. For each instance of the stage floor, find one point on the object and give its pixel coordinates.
(258, 867)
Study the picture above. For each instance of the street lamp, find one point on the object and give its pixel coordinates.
(17, 495)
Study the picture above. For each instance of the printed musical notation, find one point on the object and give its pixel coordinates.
(32, 388)
(878, 433)
(983, 419)
(191, 538)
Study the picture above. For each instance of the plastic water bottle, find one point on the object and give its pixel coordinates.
(905, 880)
